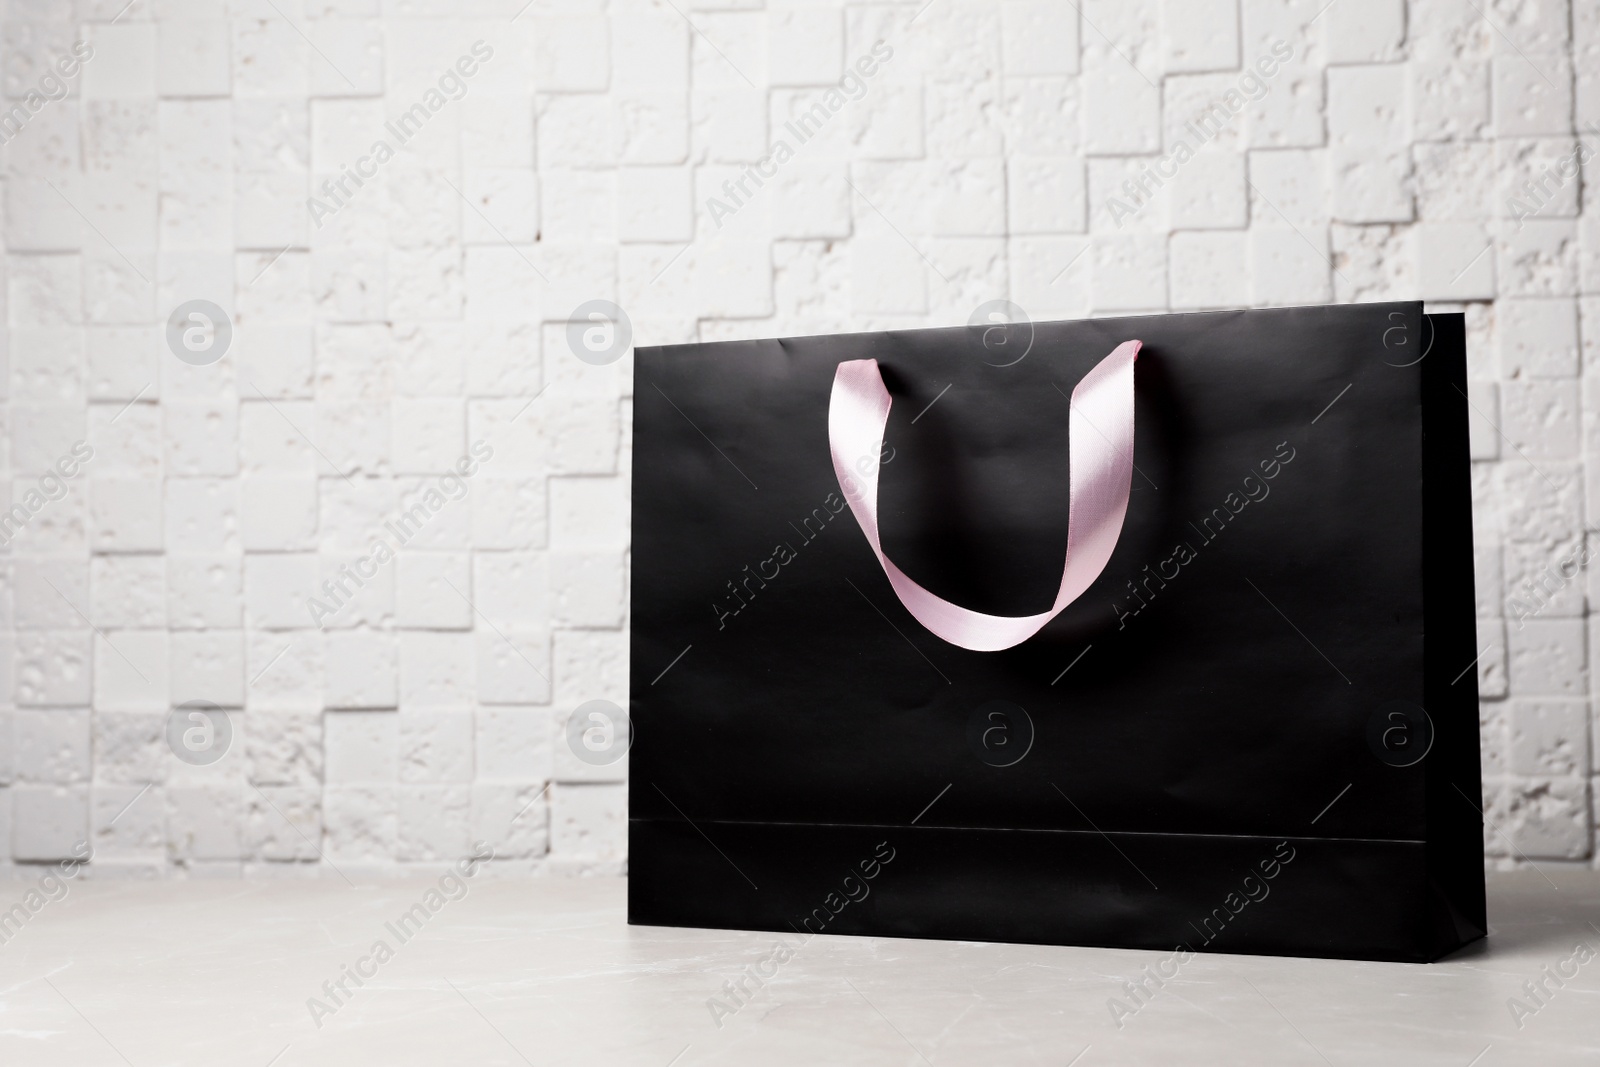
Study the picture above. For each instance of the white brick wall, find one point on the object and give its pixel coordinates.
(1365, 149)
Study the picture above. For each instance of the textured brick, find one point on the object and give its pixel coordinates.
(513, 744)
(1209, 270)
(588, 820)
(436, 669)
(1453, 180)
(204, 591)
(1045, 194)
(131, 747)
(1549, 819)
(128, 823)
(1539, 258)
(360, 670)
(1538, 337)
(1289, 266)
(888, 277)
(1449, 97)
(1209, 194)
(431, 590)
(1200, 34)
(52, 747)
(1454, 261)
(1038, 38)
(1538, 177)
(514, 818)
(1129, 272)
(1291, 114)
(283, 748)
(1491, 661)
(1549, 657)
(282, 824)
(52, 668)
(362, 747)
(512, 665)
(359, 823)
(1493, 737)
(436, 746)
(1121, 109)
(654, 204)
(204, 822)
(1549, 738)
(130, 670)
(47, 821)
(1368, 135)
(434, 822)
(208, 666)
(1532, 94)
(572, 53)
(1541, 418)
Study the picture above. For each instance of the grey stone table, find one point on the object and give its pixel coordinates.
(547, 972)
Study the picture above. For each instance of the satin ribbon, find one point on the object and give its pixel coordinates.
(1100, 473)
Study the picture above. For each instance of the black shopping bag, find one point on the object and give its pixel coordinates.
(1255, 730)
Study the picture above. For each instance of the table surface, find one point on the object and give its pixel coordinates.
(548, 972)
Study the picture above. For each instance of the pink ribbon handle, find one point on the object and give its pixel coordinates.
(1100, 474)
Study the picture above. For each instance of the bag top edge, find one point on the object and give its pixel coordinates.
(1108, 319)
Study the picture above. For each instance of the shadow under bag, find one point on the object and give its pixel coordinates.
(1153, 632)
